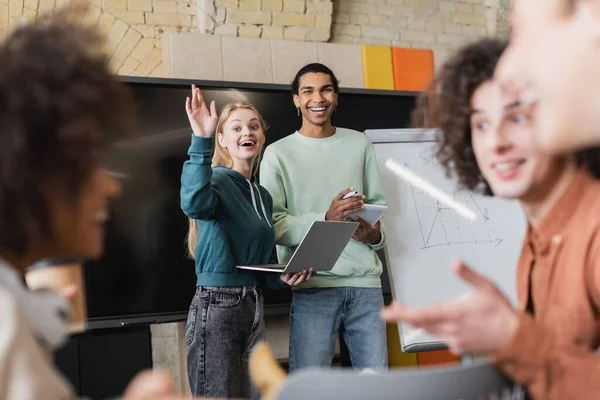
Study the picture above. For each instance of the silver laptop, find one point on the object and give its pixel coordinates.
(320, 248)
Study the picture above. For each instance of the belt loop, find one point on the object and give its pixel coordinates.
(243, 292)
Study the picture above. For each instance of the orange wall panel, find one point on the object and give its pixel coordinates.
(413, 68)
(437, 357)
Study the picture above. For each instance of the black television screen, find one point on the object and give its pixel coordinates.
(144, 275)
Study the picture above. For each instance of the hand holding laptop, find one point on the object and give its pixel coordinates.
(297, 278)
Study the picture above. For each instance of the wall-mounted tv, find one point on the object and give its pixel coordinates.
(144, 275)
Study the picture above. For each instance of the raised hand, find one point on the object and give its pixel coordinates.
(202, 119)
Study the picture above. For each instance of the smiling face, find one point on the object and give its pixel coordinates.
(503, 139)
(78, 227)
(554, 51)
(316, 98)
(242, 134)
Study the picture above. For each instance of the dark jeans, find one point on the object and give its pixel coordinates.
(223, 325)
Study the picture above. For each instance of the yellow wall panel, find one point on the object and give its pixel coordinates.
(377, 67)
(396, 357)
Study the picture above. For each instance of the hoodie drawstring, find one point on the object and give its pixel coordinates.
(253, 199)
(262, 206)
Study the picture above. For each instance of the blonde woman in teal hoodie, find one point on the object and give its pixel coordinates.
(230, 225)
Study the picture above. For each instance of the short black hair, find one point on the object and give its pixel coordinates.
(315, 68)
(58, 104)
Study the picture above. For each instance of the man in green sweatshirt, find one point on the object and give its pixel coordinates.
(308, 173)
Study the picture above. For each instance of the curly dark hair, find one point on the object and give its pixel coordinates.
(446, 105)
(59, 103)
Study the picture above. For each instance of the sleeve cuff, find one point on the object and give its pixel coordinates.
(320, 216)
(381, 244)
(202, 146)
(527, 351)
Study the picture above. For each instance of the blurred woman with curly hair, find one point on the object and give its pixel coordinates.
(58, 104)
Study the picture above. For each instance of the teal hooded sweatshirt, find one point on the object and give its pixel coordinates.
(234, 221)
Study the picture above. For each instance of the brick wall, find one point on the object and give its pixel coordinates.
(298, 20)
(133, 27)
(439, 25)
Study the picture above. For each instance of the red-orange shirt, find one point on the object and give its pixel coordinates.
(558, 275)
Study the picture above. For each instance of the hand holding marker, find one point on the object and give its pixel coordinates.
(351, 194)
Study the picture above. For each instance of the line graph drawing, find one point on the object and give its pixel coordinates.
(443, 226)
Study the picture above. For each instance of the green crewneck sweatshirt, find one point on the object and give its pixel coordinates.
(303, 176)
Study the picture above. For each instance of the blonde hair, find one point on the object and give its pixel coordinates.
(222, 158)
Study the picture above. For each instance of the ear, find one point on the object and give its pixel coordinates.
(221, 140)
(296, 101)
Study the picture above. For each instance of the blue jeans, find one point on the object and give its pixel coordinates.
(318, 314)
(224, 324)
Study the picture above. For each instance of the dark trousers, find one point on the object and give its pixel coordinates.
(224, 324)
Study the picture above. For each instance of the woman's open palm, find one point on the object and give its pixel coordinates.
(202, 119)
